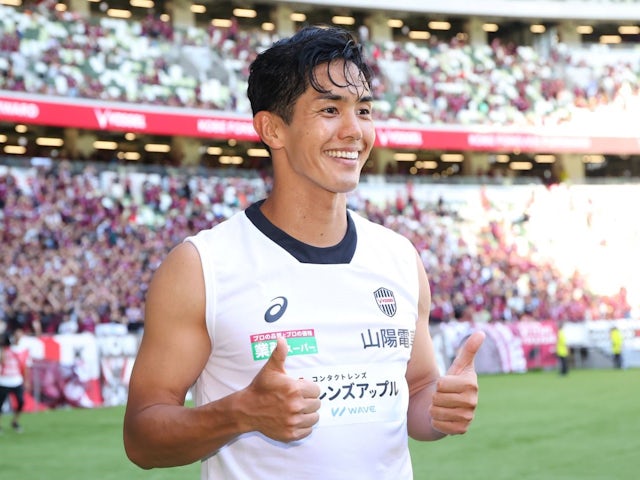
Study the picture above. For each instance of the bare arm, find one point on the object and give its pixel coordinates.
(159, 431)
(439, 405)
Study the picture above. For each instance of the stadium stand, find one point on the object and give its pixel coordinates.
(476, 74)
(83, 226)
(79, 245)
(438, 81)
(67, 227)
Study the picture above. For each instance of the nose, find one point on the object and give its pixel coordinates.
(351, 126)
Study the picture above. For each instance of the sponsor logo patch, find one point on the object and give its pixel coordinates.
(276, 310)
(301, 342)
(386, 301)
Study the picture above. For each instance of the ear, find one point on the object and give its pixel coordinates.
(267, 125)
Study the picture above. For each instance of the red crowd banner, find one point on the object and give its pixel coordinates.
(191, 122)
(538, 343)
(64, 371)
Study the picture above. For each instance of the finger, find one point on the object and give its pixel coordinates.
(309, 389)
(467, 354)
(278, 356)
(464, 399)
(451, 428)
(312, 405)
(442, 414)
(456, 384)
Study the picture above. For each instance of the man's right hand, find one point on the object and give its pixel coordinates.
(281, 407)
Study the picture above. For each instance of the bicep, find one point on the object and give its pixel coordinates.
(175, 344)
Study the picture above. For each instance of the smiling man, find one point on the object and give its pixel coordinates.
(303, 326)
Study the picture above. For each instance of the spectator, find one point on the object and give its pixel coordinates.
(438, 82)
(14, 367)
(73, 248)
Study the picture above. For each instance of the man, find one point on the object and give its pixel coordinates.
(14, 363)
(617, 342)
(303, 326)
(562, 350)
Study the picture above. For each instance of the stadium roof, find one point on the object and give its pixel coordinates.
(521, 9)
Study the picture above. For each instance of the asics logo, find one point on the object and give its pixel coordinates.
(276, 310)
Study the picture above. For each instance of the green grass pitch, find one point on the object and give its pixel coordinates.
(534, 426)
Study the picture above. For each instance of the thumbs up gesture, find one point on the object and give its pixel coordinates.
(456, 396)
(279, 406)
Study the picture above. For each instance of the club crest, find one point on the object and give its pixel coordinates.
(386, 301)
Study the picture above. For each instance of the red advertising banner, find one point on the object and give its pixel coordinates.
(538, 343)
(96, 115)
(64, 371)
(497, 140)
(111, 116)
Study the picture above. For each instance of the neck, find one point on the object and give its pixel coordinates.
(317, 222)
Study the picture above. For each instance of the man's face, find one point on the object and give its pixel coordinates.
(331, 134)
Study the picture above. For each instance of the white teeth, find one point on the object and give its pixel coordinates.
(343, 154)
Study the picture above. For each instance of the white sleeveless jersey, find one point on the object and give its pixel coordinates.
(350, 327)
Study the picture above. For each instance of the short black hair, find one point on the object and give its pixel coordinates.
(281, 74)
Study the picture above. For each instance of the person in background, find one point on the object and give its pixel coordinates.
(303, 326)
(617, 343)
(562, 350)
(14, 378)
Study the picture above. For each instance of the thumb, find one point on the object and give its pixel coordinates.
(467, 354)
(278, 356)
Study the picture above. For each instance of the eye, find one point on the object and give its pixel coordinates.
(330, 110)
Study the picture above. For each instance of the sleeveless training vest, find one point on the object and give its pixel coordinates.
(349, 327)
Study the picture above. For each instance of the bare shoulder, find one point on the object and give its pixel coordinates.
(178, 279)
(182, 259)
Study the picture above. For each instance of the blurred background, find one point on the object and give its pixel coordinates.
(507, 150)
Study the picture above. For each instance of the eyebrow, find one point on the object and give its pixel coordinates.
(335, 97)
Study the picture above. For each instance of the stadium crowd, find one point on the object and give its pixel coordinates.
(78, 247)
(434, 82)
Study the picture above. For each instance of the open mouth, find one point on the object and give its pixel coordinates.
(349, 155)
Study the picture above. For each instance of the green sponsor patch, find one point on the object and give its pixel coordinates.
(262, 349)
